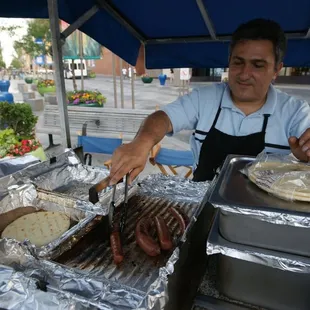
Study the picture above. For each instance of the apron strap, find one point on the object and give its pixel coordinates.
(216, 116)
(266, 118)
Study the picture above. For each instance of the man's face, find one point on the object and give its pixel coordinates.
(251, 69)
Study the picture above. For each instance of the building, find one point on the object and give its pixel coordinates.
(104, 65)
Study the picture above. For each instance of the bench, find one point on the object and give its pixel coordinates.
(101, 122)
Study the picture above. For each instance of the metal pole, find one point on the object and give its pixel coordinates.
(81, 58)
(114, 80)
(121, 82)
(132, 87)
(59, 72)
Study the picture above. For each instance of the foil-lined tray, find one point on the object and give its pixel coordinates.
(68, 179)
(235, 193)
(216, 244)
(31, 283)
(24, 199)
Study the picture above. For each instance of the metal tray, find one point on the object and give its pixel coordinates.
(256, 282)
(244, 229)
(66, 177)
(234, 189)
(25, 200)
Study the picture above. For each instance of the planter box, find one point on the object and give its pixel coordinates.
(49, 89)
(86, 105)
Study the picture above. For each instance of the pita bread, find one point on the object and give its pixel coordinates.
(40, 228)
(290, 181)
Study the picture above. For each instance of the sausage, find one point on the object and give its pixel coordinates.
(116, 247)
(180, 219)
(144, 240)
(163, 233)
(185, 216)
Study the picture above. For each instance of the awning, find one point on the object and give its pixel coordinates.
(176, 33)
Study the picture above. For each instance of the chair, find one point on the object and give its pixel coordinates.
(173, 159)
(97, 145)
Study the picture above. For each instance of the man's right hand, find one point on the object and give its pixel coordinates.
(132, 157)
(127, 158)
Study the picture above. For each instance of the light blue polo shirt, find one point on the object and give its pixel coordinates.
(196, 111)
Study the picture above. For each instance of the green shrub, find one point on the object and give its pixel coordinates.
(19, 117)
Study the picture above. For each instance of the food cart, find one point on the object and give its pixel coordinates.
(76, 270)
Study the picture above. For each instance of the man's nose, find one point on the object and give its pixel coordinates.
(246, 72)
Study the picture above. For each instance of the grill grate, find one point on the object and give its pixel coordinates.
(93, 253)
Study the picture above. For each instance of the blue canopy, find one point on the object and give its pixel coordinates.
(176, 33)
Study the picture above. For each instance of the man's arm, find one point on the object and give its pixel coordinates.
(132, 157)
(153, 129)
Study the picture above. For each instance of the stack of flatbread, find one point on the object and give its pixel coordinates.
(40, 228)
(290, 181)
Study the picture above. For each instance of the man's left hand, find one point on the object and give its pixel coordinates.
(301, 147)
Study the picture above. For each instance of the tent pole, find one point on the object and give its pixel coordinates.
(132, 87)
(121, 82)
(81, 58)
(59, 72)
(114, 80)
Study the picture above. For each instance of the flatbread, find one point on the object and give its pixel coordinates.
(290, 181)
(40, 228)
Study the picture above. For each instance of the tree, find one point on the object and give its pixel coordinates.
(2, 63)
(9, 29)
(16, 63)
(37, 29)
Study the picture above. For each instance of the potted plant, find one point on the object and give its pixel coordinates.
(17, 135)
(19, 117)
(92, 74)
(86, 98)
(146, 79)
(28, 79)
(27, 147)
(46, 86)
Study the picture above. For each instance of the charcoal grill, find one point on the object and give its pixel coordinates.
(93, 254)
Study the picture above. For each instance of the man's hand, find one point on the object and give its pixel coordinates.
(127, 158)
(301, 147)
(132, 157)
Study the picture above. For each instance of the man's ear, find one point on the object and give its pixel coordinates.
(278, 69)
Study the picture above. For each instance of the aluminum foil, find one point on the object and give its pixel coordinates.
(157, 295)
(174, 188)
(247, 199)
(61, 288)
(260, 258)
(69, 180)
(26, 196)
(278, 218)
(70, 288)
(60, 172)
(89, 287)
(286, 262)
(10, 165)
(19, 292)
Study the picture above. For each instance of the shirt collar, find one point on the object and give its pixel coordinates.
(267, 108)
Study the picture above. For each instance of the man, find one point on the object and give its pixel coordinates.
(245, 116)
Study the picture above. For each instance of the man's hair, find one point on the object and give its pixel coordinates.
(261, 29)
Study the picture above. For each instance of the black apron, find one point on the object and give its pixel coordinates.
(217, 145)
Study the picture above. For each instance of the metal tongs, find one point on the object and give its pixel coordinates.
(123, 210)
(94, 198)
